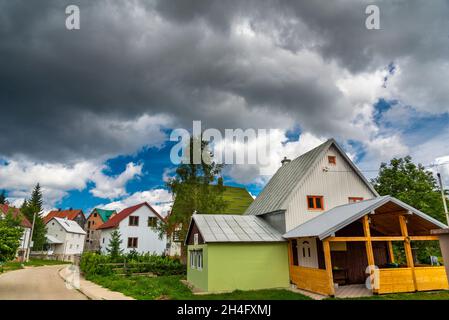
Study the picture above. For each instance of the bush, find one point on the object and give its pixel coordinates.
(91, 264)
(94, 264)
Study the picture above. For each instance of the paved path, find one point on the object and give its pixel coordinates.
(90, 289)
(36, 283)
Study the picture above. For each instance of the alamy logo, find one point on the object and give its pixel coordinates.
(73, 20)
(236, 146)
(372, 22)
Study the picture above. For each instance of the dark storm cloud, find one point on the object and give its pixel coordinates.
(64, 93)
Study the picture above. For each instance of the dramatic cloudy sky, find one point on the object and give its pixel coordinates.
(88, 113)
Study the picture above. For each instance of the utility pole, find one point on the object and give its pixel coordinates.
(443, 196)
(30, 240)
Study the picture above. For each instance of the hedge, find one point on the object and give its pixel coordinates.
(97, 264)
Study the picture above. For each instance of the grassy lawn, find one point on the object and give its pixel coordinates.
(170, 287)
(40, 263)
(10, 266)
(432, 295)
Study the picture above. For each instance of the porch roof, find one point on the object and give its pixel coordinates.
(52, 240)
(339, 217)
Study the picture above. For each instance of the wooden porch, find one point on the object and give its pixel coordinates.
(368, 256)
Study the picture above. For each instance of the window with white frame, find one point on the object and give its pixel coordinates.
(192, 259)
(196, 259)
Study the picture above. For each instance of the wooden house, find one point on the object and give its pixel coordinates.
(336, 226)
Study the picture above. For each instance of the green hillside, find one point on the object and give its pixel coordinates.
(237, 199)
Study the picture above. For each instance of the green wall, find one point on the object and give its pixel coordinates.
(243, 266)
(198, 277)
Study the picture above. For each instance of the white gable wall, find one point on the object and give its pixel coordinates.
(72, 243)
(336, 187)
(148, 239)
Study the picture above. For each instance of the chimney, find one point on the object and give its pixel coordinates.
(285, 161)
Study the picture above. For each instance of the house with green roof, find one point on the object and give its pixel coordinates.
(96, 218)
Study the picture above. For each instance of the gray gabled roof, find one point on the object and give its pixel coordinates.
(337, 218)
(234, 228)
(69, 225)
(284, 181)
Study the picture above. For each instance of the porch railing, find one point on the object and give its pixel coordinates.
(311, 279)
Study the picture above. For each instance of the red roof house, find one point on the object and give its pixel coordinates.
(137, 227)
(24, 222)
(74, 215)
(115, 220)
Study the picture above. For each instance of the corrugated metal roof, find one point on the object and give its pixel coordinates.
(337, 218)
(70, 225)
(235, 228)
(284, 181)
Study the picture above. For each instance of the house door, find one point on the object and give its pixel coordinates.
(307, 253)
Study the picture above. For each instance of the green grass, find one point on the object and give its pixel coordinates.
(431, 295)
(13, 265)
(40, 263)
(10, 266)
(170, 287)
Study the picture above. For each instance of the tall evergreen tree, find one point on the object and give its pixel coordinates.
(36, 199)
(29, 208)
(3, 197)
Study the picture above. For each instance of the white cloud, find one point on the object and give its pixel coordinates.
(279, 147)
(422, 85)
(160, 199)
(168, 174)
(108, 187)
(56, 179)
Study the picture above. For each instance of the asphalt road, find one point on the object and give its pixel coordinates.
(38, 283)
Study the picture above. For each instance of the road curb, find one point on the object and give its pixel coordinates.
(89, 289)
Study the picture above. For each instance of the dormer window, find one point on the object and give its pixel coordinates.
(315, 203)
(332, 160)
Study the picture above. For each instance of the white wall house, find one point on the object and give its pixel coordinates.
(24, 223)
(66, 237)
(136, 227)
(308, 186)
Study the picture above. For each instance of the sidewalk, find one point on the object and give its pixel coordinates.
(91, 290)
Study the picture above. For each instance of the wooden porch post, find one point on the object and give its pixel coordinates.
(408, 248)
(290, 252)
(369, 247)
(390, 251)
(328, 263)
(368, 243)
